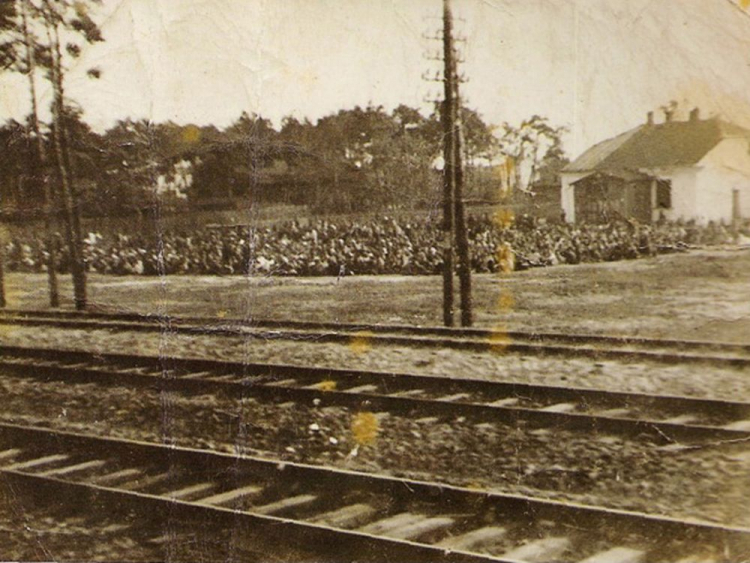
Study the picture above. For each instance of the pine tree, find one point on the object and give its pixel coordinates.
(29, 60)
(58, 17)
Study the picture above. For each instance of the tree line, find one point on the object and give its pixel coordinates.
(359, 159)
(354, 160)
(39, 38)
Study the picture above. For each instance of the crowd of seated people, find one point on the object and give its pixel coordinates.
(380, 245)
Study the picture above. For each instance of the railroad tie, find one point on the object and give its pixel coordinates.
(226, 377)
(9, 454)
(740, 425)
(18, 361)
(408, 393)
(116, 477)
(559, 407)
(232, 497)
(196, 375)
(284, 505)
(617, 555)
(159, 372)
(385, 525)
(477, 540)
(427, 420)
(191, 492)
(454, 398)
(146, 482)
(317, 386)
(615, 413)
(362, 389)
(420, 529)
(249, 380)
(46, 460)
(351, 516)
(282, 383)
(161, 540)
(78, 365)
(507, 402)
(114, 529)
(681, 419)
(539, 551)
(46, 364)
(78, 467)
(136, 370)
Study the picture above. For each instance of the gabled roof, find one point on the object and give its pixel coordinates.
(625, 175)
(676, 143)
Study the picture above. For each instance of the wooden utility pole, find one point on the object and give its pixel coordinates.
(454, 215)
(462, 235)
(2, 273)
(449, 157)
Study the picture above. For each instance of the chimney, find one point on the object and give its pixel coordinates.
(695, 114)
(650, 118)
(668, 115)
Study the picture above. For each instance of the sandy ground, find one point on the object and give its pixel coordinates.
(703, 294)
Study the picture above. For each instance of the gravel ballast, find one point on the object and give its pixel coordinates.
(692, 380)
(708, 483)
(606, 470)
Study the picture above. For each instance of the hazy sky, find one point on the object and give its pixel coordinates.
(596, 66)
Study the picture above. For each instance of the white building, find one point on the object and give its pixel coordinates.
(694, 169)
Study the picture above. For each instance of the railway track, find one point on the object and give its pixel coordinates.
(664, 419)
(344, 515)
(589, 346)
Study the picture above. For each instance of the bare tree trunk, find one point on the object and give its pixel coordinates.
(72, 211)
(54, 294)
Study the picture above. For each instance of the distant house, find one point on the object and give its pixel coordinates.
(695, 169)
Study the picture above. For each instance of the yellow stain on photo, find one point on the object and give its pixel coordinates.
(327, 385)
(6, 330)
(506, 258)
(361, 342)
(365, 428)
(506, 302)
(499, 340)
(504, 218)
(191, 134)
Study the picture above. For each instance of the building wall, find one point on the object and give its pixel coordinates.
(567, 193)
(684, 191)
(703, 192)
(723, 170)
(684, 200)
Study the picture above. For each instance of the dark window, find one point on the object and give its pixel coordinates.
(664, 194)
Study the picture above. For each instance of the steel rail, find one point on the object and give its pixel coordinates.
(663, 419)
(394, 329)
(481, 340)
(347, 514)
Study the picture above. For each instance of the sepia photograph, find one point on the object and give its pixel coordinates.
(375, 281)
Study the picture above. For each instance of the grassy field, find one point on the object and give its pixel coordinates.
(703, 295)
